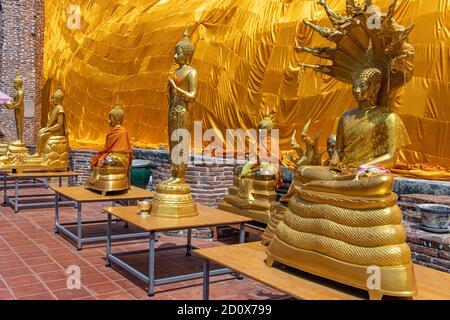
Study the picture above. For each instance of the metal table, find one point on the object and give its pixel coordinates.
(81, 195)
(15, 201)
(207, 217)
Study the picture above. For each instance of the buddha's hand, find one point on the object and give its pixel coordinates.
(43, 130)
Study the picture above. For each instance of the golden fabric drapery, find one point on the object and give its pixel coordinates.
(245, 61)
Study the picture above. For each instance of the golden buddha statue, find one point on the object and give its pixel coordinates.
(52, 146)
(18, 105)
(309, 155)
(253, 193)
(110, 167)
(3, 145)
(343, 220)
(173, 197)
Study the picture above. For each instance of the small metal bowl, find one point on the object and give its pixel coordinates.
(144, 207)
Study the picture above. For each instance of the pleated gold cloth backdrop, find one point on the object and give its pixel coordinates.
(245, 60)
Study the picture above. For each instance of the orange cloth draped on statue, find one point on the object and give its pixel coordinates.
(116, 141)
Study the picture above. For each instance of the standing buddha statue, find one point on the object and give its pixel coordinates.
(344, 218)
(18, 105)
(173, 197)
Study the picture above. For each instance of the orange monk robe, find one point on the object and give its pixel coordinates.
(116, 141)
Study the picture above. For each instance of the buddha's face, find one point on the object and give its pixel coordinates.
(331, 145)
(180, 57)
(362, 89)
(56, 100)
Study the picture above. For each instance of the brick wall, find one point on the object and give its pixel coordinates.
(209, 181)
(21, 43)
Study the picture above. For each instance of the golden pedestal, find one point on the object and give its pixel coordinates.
(275, 219)
(17, 149)
(346, 243)
(55, 157)
(4, 148)
(173, 201)
(108, 179)
(253, 197)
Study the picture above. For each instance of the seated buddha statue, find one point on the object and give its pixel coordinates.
(343, 219)
(110, 166)
(52, 146)
(253, 193)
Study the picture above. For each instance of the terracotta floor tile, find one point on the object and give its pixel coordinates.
(16, 272)
(38, 260)
(11, 264)
(138, 293)
(68, 294)
(22, 281)
(29, 290)
(56, 285)
(43, 268)
(93, 278)
(105, 287)
(5, 294)
(41, 296)
(121, 295)
(53, 275)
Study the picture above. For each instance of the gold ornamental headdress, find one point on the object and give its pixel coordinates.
(186, 45)
(376, 49)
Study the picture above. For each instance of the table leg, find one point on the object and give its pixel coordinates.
(241, 240)
(108, 240)
(56, 211)
(205, 279)
(16, 196)
(189, 243)
(151, 265)
(79, 234)
(4, 188)
(242, 234)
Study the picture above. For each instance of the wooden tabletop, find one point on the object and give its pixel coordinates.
(81, 194)
(249, 260)
(207, 217)
(42, 174)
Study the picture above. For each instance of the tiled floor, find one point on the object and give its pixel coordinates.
(34, 262)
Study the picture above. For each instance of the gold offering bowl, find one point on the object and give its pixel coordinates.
(144, 207)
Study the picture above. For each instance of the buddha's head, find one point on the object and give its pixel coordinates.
(266, 123)
(57, 97)
(18, 81)
(184, 50)
(367, 84)
(116, 114)
(331, 145)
